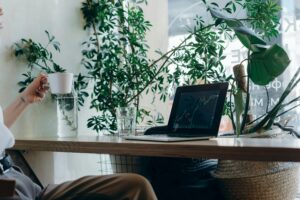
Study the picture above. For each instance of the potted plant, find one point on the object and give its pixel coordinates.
(265, 62)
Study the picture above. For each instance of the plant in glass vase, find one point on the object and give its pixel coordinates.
(40, 60)
(116, 57)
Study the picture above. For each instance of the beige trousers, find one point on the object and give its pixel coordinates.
(109, 187)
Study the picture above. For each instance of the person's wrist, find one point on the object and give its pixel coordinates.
(24, 100)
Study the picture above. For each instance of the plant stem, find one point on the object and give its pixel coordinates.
(270, 117)
(292, 101)
(231, 112)
(268, 99)
(257, 119)
(47, 67)
(166, 56)
(292, 131)
(246, 109)
(287, 110)
(95, 30)
(171, 52)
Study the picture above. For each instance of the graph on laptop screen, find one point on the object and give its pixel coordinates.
(196, 109)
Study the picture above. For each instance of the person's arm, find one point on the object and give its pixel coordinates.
(35, 92)
(1, 13)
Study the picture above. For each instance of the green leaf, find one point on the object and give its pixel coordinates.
(249, 38)
(57, 68)
(265, 66)
(218, 22)
(228, 4)
(215, 4)
(217, 13)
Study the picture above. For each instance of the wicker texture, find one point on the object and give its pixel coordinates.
(247, 169)
(249, 180)
(281, 185)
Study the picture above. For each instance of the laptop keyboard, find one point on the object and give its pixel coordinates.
(179, 135)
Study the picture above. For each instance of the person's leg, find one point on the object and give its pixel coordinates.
(110, 187)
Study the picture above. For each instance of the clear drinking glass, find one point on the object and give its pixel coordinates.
(67, 119)
(126, 120)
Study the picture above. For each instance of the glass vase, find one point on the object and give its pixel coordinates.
(126, 120)
(67, 115)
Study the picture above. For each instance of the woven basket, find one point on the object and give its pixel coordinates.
(249, 180)
(260, 180)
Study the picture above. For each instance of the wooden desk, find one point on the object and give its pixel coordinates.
(221, 148)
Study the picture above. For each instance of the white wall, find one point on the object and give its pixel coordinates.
(29, 19)
(62, 18)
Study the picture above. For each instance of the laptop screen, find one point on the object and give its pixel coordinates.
(197, 109)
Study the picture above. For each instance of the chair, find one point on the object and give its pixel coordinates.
(20, 164)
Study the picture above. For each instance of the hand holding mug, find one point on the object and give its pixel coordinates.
(36, 91)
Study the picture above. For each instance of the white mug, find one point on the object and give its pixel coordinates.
(60, 82)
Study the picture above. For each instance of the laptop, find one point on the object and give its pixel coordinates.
(195, 115)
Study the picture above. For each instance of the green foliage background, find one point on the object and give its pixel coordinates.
(115, 54)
